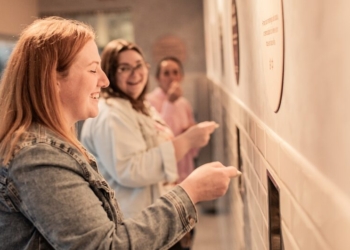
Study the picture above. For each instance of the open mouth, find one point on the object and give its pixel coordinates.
(95, 96)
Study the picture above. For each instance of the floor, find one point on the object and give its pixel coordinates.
(207, 236)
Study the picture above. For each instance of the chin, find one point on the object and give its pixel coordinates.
(93, 113)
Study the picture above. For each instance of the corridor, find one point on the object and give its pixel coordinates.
(207, 235)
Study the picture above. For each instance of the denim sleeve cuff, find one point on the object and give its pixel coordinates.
(169, 161)
(184, 206)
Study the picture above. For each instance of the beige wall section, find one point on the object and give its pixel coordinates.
(152, 19)
(15, 15)
(313, 116)
(306, 144)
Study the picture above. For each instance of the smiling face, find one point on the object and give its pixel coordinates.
(169, 71)
(80, 89)
(132, 73)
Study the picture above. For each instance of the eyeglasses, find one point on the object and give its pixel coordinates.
(128, 70)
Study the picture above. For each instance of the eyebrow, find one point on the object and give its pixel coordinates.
(94, 62)
(125, 63)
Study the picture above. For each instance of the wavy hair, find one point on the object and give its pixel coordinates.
(45, 50)
(109, 64)
(169, 58)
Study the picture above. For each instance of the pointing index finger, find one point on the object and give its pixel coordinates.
(232, 172)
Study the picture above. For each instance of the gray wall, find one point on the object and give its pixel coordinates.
(152, 19)
(16, 15)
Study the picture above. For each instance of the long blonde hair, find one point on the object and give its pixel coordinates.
(28, 89)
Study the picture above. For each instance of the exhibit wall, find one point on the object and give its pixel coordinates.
(24, 11)
(10, 27)
(278, 79)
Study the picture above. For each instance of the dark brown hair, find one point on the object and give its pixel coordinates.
(169, 58)
(109, 64)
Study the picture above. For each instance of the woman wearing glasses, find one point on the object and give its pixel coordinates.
(135, 149)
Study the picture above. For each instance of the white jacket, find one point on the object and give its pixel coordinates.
(131, 153)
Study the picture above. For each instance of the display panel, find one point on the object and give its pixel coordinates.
(273, 50)
(235, 41)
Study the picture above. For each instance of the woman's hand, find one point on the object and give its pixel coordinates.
(174, 92)
(196, 136)
(209, 181)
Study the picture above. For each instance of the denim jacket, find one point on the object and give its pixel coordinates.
(51, 197)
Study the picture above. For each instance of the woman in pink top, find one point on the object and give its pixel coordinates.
(174, 108)
(177, 113)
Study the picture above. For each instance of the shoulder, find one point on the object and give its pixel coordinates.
(45, 149)
(116, 105)
(157, 91)
(113, 110)
(184, 101)
(156, 95)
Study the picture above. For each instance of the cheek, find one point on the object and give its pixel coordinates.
(66, 94)
(164, 80)
(178, 77)
(120, 82)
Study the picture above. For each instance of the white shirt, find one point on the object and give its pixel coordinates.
(130, 152)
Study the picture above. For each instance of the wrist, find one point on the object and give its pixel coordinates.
(189, 191)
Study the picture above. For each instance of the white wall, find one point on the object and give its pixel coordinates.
(305, 144)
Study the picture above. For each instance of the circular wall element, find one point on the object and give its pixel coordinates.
(273, 50)
(169, 45)
(235, 42)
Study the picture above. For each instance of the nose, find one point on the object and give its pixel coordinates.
(103, 81)
(135, 70)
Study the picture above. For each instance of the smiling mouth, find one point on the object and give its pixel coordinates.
(95, 96)
(132, 83)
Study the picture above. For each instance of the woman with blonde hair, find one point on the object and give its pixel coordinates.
(51, 193)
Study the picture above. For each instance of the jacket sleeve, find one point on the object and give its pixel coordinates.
(121, 148)
(63, 207)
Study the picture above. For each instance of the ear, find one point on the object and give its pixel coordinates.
(58, 82)
(58, 86)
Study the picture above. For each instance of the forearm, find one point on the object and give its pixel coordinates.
(163, 223)
(182, 146)
(66, 210)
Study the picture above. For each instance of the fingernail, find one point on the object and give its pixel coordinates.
(239, 173)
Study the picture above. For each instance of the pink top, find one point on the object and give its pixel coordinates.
(179, 117)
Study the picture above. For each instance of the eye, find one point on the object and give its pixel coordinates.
(166, 73)
(139, 66)
(175, 72)
(124, 68)
(93, 71)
